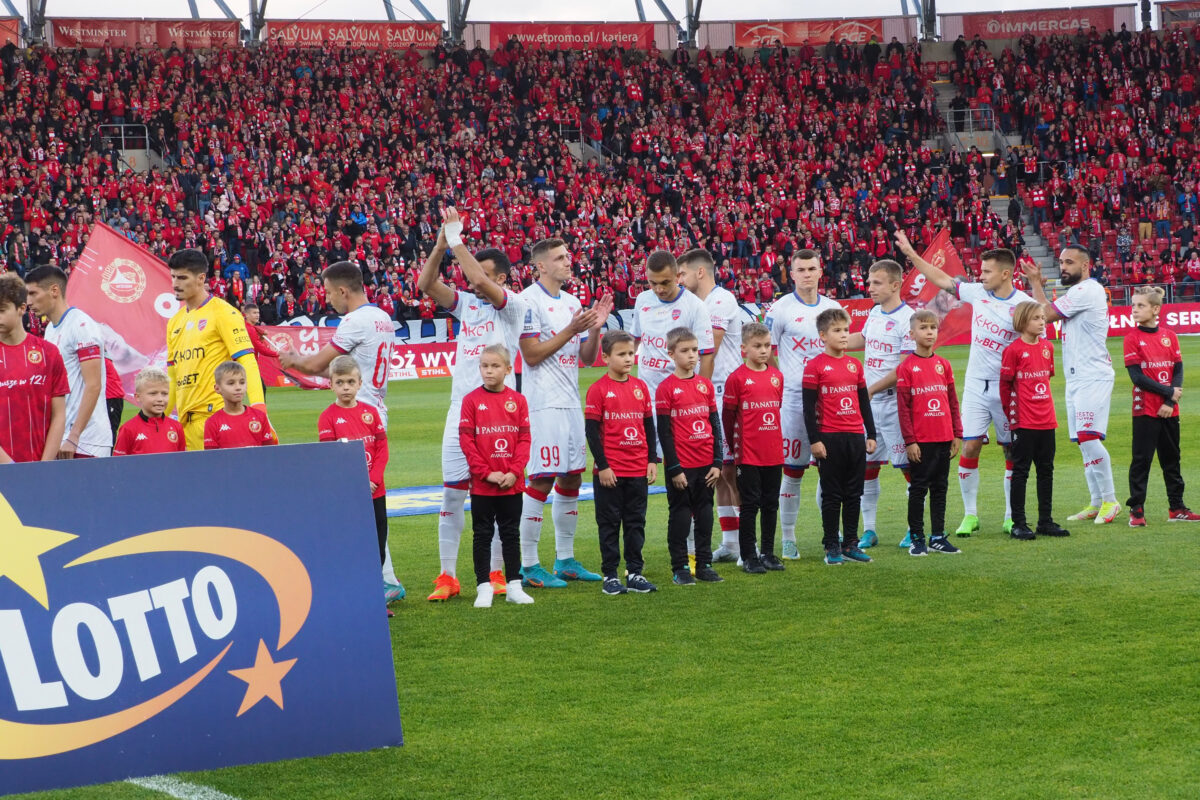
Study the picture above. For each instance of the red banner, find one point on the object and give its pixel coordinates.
(1174, 14)
(574, 35)
(409, 361)
(1045, 22)
(955, 317)
(10, 31)
(795, 32)
(1179, 317)
(370, 35)
(200, 34)
(127, 290)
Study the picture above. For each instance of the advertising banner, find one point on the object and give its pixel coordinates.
(1174, 14)
(795, 32)
(10, 31)
(1180, 317)
(574, 35)
(409, 361)
(370, 35)
(145, 629)
(1043, 22)
(955, 318)
(127, 290)
(185, 33)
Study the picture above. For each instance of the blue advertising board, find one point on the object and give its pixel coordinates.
(189, 611)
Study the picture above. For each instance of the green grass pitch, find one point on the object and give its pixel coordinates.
(1047, 669)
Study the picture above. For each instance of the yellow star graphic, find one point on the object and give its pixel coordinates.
(20, 548)
(263, 679)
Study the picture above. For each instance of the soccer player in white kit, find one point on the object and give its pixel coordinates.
(992, 301)
(1087, 365)
(79, 339)
(697, 274)
(367, 334)
(792, 320)
(490, 314)
(557, 338)
(886, 340)
(666, 305)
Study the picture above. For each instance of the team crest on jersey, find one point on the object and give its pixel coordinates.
(852, 367)
(255, 426)
(202, 324)
(368, 418)
(775, 381)
(939, 369)
(34, 356)
(637, 393)
(676, 313)
(172, 436)
(702, 388)
(1045, 352)
(891, 323)
(122, 281)
(510, 406)
(1166, 342)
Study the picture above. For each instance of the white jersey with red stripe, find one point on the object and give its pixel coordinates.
(653, 319)
(793, 325)
(368, 335)
(78, 339)
(887, 337)
(991, 328)
(554, 382)
(482, 325)
(726, 315)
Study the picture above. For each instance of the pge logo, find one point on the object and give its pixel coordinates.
(164, 623)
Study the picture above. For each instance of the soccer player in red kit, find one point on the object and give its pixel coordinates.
(619, 425)
(33, 384)
(752, 416)
(150, 430)
(493, 431)
(1025, 372)
(349, 419)
(1155, 365)
(931, 426)
(837, 412)
(686, 405)
(235, 425)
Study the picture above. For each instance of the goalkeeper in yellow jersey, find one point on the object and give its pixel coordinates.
(205, 332)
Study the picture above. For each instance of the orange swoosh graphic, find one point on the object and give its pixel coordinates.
(283, 571)
(25, 740)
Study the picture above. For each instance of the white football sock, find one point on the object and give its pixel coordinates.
(565, 510)
(532, 509)
(1095, 458)
(727, 516)
(870, 502)
(691, 540)
(483, 595)
(789, 507)
(450, 528)
(968, 484)
(516, 593)
(1008, 490)
(389, 572)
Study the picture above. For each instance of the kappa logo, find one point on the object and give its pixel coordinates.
(340, 421)
(749, 381)
(482, 407)
(916, 368)
(610, 395)
(225, 427)
(678, 391)
(1025, 355)
(198, 613)
(141, 437)
(828, 368)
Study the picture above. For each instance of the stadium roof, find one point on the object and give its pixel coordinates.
(488, 10)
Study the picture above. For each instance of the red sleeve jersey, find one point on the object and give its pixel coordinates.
(926, 400)
(32, 373)
(836, 381)
(1157, 353)
(261, 346)
(1025, 373)
(493, 431)
(112, 381)
(360, 422)
(621, 408)
(142, 435)
(248, 429)
(751, 413)
(689, 403)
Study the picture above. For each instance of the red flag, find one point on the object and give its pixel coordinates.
(954, 317)
(127, 290)
(303, 340)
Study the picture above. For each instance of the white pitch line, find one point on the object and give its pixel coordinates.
(182, 790)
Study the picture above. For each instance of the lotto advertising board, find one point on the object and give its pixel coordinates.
(146, 629)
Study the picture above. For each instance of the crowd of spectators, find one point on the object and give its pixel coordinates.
(279, 161)
(1110, 157)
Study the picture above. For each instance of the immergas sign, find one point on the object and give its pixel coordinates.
(158, 614)
(1046, 22)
